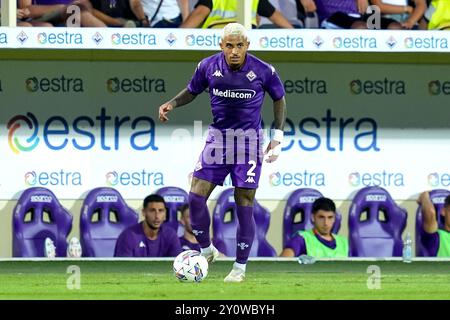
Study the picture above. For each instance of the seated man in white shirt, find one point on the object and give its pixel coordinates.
(166, 13)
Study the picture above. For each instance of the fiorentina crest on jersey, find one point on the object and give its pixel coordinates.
(251, 75)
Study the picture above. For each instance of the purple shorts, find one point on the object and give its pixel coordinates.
(241, 158)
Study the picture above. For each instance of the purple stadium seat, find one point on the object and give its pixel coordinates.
(224, 230)
(437, 197)
(375, 224)
(174, 197)
(104, 215)
(39, 215)
(298, 213)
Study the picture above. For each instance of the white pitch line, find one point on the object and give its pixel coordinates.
(263, 259)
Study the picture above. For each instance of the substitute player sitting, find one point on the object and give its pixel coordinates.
(436, 240)
(149, 238)
(318, 242)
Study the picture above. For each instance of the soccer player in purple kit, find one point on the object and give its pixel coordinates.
(149, 238)
(237, 82)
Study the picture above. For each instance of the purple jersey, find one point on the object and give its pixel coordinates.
(431, 242)
(326, 8)
(132, 242)
(187, 245)
(236, 96)
(298, 244)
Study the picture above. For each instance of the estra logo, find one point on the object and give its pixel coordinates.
(286, 42)
(136, 85)
(53, 178)
(14, 125)
(112, 178)
(275, 179)
(138, 38)
(354, 179)
(134, 178)
(63, 38)
(298, 179)
(377, 179)
(428, 42)
(211, 40)
(305, 86)
(30, 179)
(355, 42)
(438, 179)
(81, 133)
(437, 87)
(62, 84)
(329, 132)
(378, 87)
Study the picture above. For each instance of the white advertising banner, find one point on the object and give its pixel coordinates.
(74, 126)
(317, 40)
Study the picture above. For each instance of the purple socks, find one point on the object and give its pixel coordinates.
(245, 233)
(200, 219)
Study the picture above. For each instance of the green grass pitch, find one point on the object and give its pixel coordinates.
(265, 280)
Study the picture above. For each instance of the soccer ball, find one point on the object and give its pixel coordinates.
(190, 266)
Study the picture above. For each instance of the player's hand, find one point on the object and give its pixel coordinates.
(408, 24)
(424, 196)
(309, 5)
(362, 6)
(164, 110)
(23, 13)
(273, 151)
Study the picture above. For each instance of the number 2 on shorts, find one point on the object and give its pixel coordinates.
(250, 172)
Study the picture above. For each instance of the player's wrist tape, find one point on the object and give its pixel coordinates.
(277, 135)
(276, 150)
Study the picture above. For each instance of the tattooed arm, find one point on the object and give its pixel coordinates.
(182, 98)
(279, 113)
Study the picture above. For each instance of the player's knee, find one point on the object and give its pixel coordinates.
(244, 197)
(201, 187)
(359, 25)
(395, 26)
(244, 202)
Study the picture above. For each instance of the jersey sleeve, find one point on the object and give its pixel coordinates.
(206, 3)
(198, 82)
(273, 84)
(431, 242)
(297, 244)
(175, 246)
(265, 8)
(123, 246)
